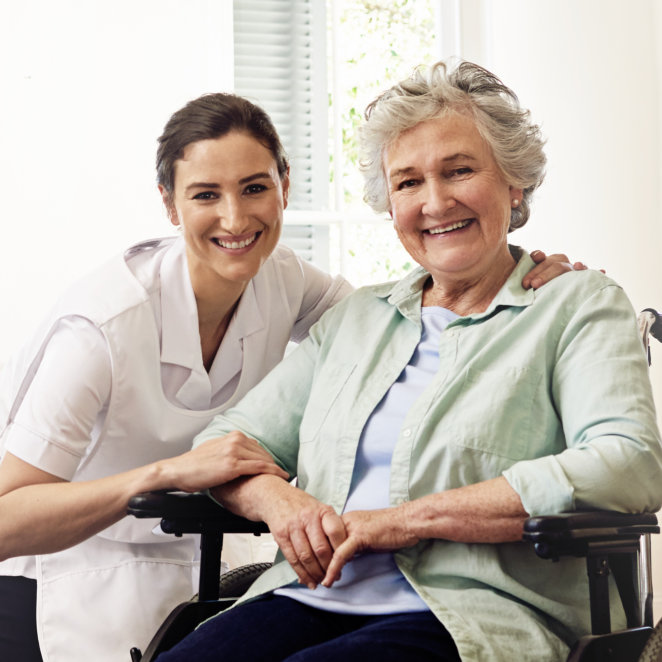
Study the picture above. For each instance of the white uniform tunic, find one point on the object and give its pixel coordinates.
(141, 394)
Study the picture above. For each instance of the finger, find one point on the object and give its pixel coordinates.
(538, 256)
(341, 556)
(324, 535)
(261, 467)
(334, 529)
(543, 273)
(292, 558)
(306, 563)
(579, 266)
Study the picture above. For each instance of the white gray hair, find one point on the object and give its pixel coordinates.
(515, 141)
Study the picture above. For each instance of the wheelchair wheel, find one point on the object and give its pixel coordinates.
(234, 583)
(653, 649)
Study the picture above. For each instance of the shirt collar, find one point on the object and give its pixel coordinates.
(406, 294)
(180, 338)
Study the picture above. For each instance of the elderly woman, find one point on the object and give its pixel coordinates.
(426, 419)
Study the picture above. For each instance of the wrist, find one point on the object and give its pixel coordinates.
(251, 496)
(151, 477)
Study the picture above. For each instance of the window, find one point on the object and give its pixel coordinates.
(314, 66)
(280, 62)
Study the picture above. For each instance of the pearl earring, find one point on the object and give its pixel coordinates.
(515, 202)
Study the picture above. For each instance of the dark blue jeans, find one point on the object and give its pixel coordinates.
(279, 629)
(18, 621)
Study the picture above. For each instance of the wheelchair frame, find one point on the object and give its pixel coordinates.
(612, 543)
(617, 543)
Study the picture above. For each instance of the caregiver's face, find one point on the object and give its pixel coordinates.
(228, 199)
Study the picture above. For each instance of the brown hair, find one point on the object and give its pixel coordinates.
(213, 116)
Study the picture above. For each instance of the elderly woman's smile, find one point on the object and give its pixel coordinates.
(450, 228)
(450, 202)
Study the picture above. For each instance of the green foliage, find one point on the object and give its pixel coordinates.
(380, 43)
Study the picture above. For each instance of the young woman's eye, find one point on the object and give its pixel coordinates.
(255, 188)
(205, 195)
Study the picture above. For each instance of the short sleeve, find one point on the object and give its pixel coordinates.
(66, 398)
(321, 292)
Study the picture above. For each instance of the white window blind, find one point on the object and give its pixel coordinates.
(280, 63)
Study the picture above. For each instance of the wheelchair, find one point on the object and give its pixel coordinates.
(616, 544)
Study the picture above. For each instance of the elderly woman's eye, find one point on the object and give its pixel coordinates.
(407, 183)
(460, 172)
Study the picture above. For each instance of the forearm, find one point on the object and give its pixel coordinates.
(486, 512)
(48, 517)
(250, 496)
(40, 513)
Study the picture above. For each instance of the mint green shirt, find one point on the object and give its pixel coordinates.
(548, 388)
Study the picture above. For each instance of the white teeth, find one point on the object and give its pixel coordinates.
(237, 244)
(448, 228)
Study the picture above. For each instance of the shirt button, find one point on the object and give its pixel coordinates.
(406, 433)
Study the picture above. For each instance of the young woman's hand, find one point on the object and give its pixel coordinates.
(549, 267)
(218, 461)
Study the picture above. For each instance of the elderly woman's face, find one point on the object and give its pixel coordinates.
(449, 200)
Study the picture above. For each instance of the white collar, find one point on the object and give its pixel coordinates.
(180, 337)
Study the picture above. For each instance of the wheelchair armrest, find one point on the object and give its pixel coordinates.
(611, 542)
(181, 512)
(574, 533)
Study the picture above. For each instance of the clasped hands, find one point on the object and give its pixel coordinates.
(317, 542)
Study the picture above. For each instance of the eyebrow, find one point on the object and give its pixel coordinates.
(447, 159)
(215, 186)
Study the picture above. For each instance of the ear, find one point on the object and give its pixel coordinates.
(285, 183)
(169, 205)
(516, 194)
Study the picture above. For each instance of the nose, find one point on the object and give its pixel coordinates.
(232, 215)
(439, 198)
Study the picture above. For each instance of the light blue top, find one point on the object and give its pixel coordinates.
(372, 583)
(549, 388)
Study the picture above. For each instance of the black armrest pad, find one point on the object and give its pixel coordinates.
(181, 512)
(571, 533)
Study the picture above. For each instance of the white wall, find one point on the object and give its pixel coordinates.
(590, 71)
(87, 86)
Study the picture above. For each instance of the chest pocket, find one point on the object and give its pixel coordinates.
(328, 391)
(499, 411)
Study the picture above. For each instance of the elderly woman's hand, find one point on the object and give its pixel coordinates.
(549, 267)
(382, 530)
(306, 530)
